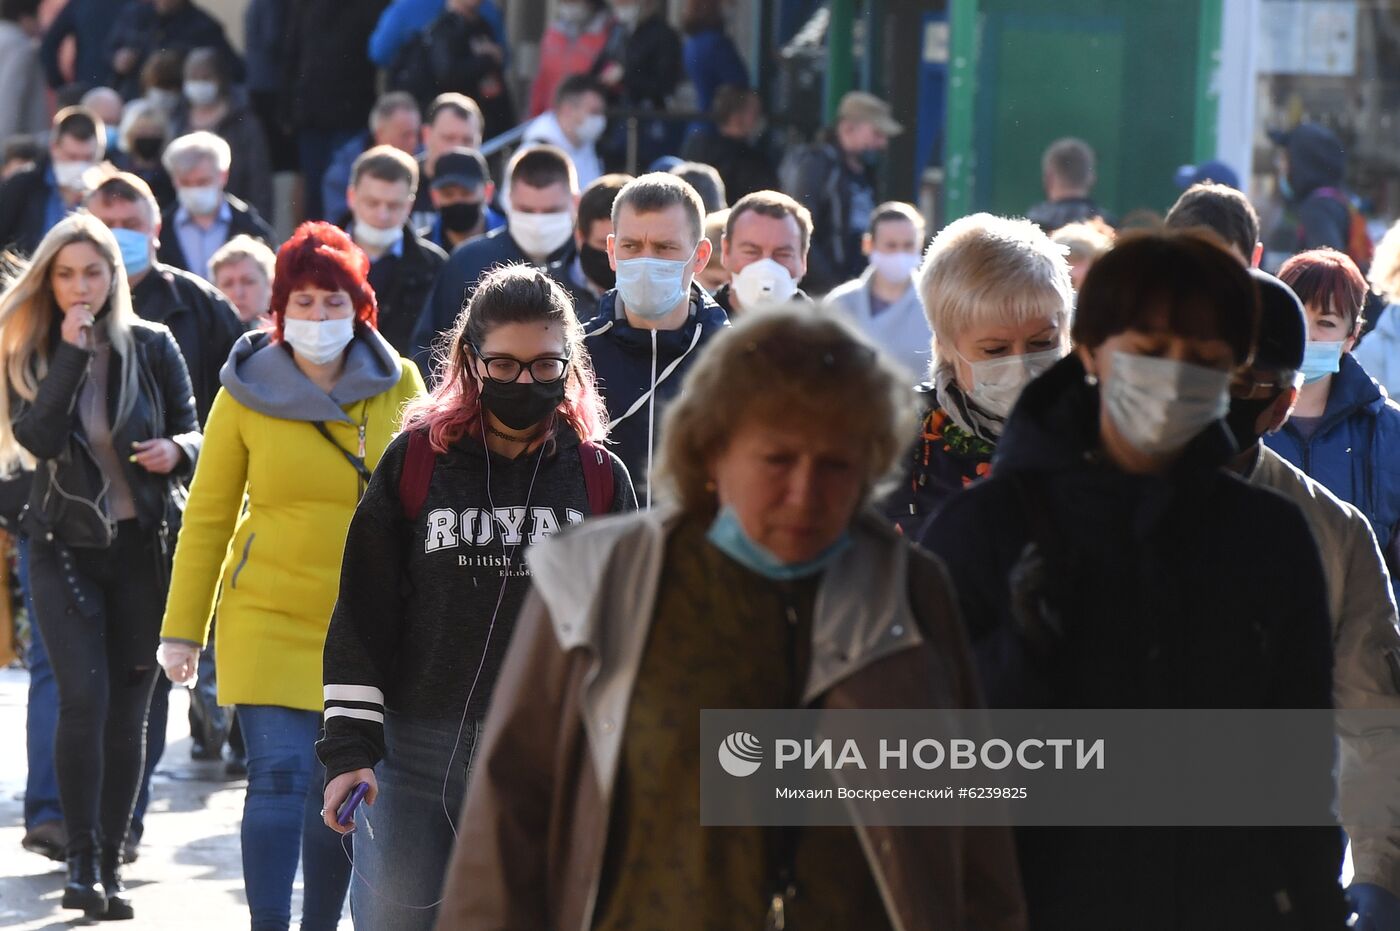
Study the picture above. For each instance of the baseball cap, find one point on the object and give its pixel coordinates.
(463, 167)
(861, 107)
(1213, 170)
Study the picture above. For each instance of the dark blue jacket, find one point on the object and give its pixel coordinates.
(712, 61)
(88, 21)
(139, 26)
(640, 371)
(1355, 451)
(1085, 587)
(458, 278)
(404, 19)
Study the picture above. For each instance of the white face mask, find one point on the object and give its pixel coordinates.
(651, 288)
(164, 99)
(70, 174)
(1160, 405)
(319, 341)
(591, 128)
(201, 93)
(375, 237)
(894, 267)
(541, 234)
(998, 383)
(573, 12)
(200, 201)
(764, 282)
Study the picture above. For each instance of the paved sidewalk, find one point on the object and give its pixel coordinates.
(190, 873)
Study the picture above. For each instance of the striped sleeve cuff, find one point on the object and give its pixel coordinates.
(362, 702)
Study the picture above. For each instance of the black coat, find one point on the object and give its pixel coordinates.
(203, 322)
(139, 26)
(1190, 590)
(43, 426)
(24, 199)
(401, 285)
(328, 81)
(444, 58)
(651, 59)
(743, 167)
(245, 220)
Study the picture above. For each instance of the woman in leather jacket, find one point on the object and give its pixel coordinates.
(98, 404)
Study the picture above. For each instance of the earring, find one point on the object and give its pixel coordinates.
(1091, 379)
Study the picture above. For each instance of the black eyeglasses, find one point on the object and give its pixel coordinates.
(506, 369)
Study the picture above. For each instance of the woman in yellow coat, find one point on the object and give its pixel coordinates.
(303, 417)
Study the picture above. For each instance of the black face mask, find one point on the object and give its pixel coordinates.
(460, 218)
(521, 406)
(1242, 418)
(594, 263)
(147, 148)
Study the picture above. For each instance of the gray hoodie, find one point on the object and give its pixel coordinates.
(262, 376)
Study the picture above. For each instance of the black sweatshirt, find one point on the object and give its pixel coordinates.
(416, 602)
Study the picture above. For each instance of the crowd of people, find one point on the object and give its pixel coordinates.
(466, 497)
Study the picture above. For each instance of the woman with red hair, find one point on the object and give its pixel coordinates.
(306, 410)
(502, 455)
(1344, 432)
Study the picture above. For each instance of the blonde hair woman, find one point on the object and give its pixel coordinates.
(998, 298)
(98, 403)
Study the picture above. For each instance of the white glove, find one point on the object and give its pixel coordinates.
(180, 661)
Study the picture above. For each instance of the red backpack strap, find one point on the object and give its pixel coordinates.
(598, 476)
(417, 472)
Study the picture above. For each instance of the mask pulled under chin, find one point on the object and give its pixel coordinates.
(377, 237)
(522, 406)
(319, 341)
(728, 536)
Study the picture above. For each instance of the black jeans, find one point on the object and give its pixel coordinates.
(99, 612)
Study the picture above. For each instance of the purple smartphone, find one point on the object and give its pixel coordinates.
(345, 814)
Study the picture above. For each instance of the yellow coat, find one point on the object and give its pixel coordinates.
(274, 565)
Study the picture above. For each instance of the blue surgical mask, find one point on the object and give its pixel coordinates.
(651, 288)
(1284, 187)
(1321, 360)
(136, 250)
(728, 536)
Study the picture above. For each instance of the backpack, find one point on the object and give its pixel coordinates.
(1358, 245)
(420, 459)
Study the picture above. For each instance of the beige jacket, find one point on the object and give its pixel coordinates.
(533, 830)
(1366, 672)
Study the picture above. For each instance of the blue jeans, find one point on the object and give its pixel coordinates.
(399, 871)
(41, 719)
(281, 817)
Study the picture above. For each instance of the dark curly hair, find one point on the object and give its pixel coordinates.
(321, 255)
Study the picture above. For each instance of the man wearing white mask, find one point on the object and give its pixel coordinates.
(403, 265)
(212, 104)
(541, 208)
(764, 249)
(883, 302)
(650, 329)
(575, 125)
(205, 215)
(33, 201)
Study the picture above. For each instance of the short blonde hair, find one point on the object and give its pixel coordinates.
(780, 365)
(1085, 241)
(243, 247)
(985, 269)
(1385, 265)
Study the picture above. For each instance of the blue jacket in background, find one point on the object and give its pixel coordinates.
(264, 23)
(403, 19)
(88, 21)
(711, 61)
(639, 373)
(1355, 451)
(458, 279)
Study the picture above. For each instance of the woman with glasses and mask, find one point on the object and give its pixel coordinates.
(502, 455)
(306, 410)
(1110, 562)
(998, 297)
(584, 811)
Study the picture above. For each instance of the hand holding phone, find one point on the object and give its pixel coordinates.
(344, 794)
(345, 814)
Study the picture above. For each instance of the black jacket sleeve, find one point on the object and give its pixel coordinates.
(366, 625)
(63, 26)
(43, 427)
(177, 397)
(221, 329)
(814, 190)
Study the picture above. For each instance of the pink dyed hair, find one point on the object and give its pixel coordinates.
(513, 294)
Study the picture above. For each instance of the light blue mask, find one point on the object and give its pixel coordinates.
(136, 250)
(728, 536)
(1321, 360)
(651, 288)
